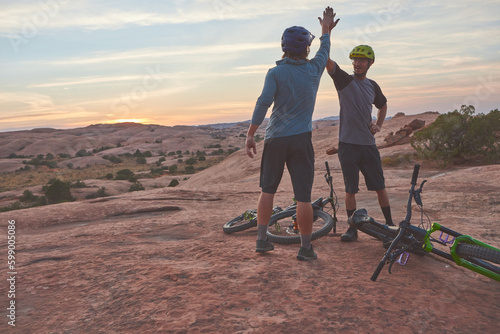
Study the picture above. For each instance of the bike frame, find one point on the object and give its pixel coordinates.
(453, 256)
(405, 228)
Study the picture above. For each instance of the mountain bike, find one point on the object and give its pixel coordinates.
(283, 227)
(462, 249)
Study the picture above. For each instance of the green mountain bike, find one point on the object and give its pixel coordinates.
(400, 241)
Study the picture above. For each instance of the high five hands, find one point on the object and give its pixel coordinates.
(328, 21)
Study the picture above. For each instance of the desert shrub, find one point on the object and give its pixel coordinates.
(136, 186)
(173, 183)
(83, 153)
(28, 196)
(189, 169)
(57, 191)
(156, 171)
(13, 206)
(109, 176)
(202, 158)
(459, 134)
(49, 156)
(172, 169)
(141, 160)
(124, 174)
(191, 161)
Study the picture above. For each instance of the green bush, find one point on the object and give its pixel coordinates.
(57, 191)
(173, 183)
(191, 161)
(136, 186)
(172, 169)
(83, 153)
(459, 134)
(28, 196)
(124, 174)
(189, 169)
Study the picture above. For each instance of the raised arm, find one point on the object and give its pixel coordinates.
(328, 21)
(327, 24)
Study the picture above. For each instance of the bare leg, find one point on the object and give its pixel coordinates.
(305, 217)
(264, 212)
(350, 201)
(383, 198)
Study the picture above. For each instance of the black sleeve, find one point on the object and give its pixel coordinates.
(340, 77)
(380, 99)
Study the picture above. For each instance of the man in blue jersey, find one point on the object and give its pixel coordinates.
(292, 86)
(357, 150)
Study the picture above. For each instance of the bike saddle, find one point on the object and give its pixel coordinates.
(359, 217)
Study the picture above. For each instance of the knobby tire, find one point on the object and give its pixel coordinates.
(239, 224)
(478, 254)
(322, 221)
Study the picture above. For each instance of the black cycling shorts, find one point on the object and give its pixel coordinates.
(361, 158)
(298, 154)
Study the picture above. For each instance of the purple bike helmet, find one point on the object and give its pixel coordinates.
(296, 39)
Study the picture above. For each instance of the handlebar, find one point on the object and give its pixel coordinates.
(327, 168)
(405, 224)
(415, 174)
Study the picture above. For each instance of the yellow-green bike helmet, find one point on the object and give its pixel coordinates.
(362, 51)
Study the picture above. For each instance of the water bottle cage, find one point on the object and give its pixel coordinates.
(443, 237)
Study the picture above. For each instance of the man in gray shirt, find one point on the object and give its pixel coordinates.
(357, 149)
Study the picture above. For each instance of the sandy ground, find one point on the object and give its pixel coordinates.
(157, 261)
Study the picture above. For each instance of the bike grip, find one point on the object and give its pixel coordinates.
(415, 174)
(378, 270)
(327, 167)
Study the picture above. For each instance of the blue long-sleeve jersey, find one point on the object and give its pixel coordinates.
(292, 85)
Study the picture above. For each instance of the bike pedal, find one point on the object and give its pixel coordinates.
(445, 240)
(403, 258)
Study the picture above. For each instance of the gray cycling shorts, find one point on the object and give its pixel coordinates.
(297, 153)
(361, 158)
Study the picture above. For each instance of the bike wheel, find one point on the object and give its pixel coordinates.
(240, 223)
(479, 254)
(281, 227)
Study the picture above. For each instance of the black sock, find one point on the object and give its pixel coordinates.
(387, 215)
(350, 212)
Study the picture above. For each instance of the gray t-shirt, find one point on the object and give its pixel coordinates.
(356, 98)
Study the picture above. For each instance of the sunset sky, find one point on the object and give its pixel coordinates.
(66, 64)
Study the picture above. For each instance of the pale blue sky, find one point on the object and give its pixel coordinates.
(67, 64)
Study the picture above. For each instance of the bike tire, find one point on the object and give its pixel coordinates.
(322, 224)
(473, 253)
(239, 224)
